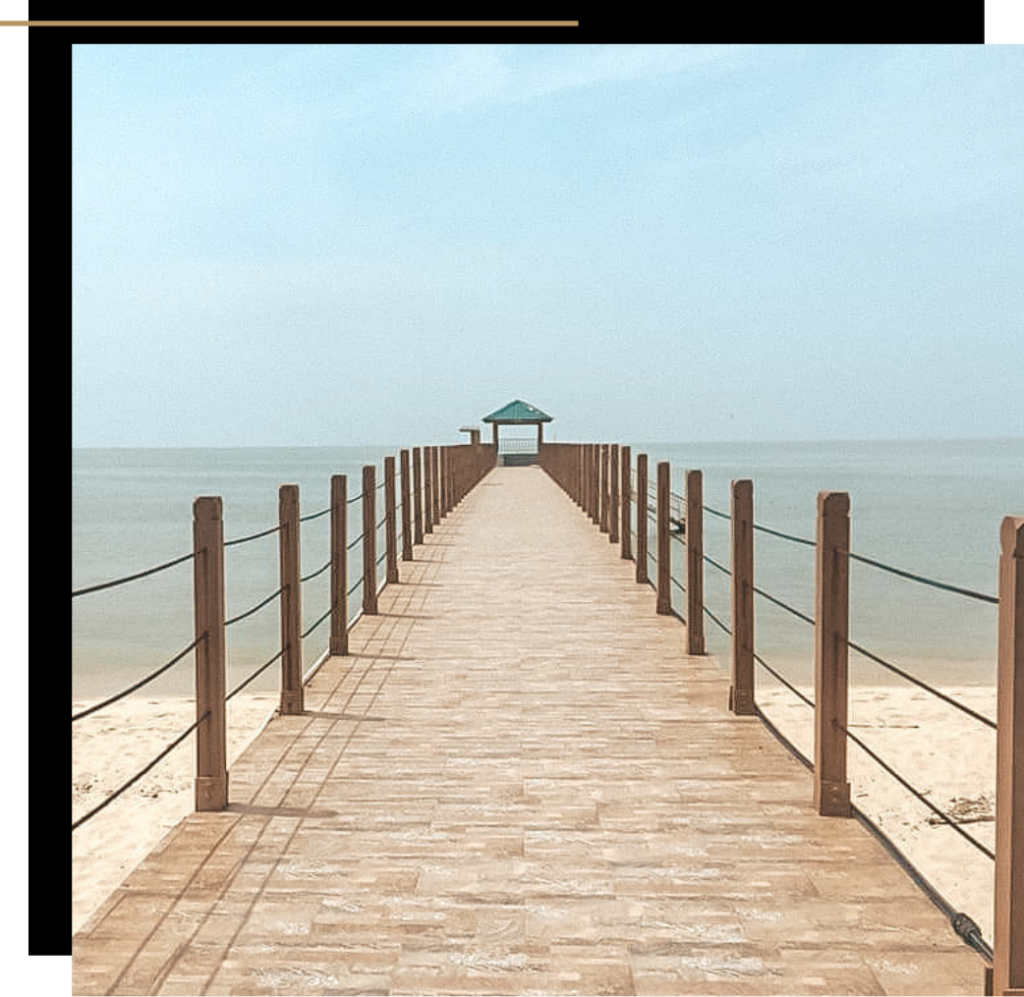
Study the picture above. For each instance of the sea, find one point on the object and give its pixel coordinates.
(929, 507)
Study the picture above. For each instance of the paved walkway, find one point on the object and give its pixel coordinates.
(519, 783)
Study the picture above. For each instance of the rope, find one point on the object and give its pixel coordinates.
(138, 775)
(319, 571)
(354, 542)
(315, 625)
(132, 578)
(924, 685)
(715, 512)
(253, 536)
(259, 671)
(915, 792)
(785, 536)
(717, 565)
(781, 604)
(789, 685)
(138, 685)
(354, 587)
(315, 515)
(924, 581)
(715, 619)
(256, 608)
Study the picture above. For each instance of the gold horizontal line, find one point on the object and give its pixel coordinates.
(286, 24)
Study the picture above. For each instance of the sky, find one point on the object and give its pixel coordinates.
(375, 244)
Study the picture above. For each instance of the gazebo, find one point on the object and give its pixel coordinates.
(518, 413)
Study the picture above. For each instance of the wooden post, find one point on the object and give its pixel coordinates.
(664, 540)
(613, 508)
(605, 490)
(627, 499)
(291, 600)
(588, 473)
(428, 490)
(417, 496)
(1008, 936)
(595, 483)
(211, 782)
(442, 480)
(406, 506)
(370, 540)
(695, 563)
(831, 654)
(390, 521)
(435, 475)
(339, 564)
(741, 691)
(641, 517)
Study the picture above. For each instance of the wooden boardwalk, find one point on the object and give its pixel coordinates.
(519, 783)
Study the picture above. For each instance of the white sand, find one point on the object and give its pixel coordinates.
(944, 753)
(949, 757)
(107, 749)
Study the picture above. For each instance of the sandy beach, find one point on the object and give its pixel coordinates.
(107, 749)
(950, 757)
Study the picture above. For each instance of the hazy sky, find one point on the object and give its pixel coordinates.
(291, 245)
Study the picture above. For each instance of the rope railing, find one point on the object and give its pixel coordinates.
(969, 593)
(131, 578)
(137, 685)
(75, 825)
(784, 536)
(252, 536)
(914, 791)
(783, 605)
(256, 674)
(920, 683)
(319, 571)
(255, 609)
(314, 515)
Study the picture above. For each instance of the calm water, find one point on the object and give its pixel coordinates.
(930, 507)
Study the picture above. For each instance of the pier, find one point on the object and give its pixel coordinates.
(517, 771)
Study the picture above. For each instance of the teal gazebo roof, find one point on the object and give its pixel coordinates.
(518, 413)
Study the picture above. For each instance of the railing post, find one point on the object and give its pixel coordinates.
(741, 691)
(664, 539)
(428, 490)
(442, 479)
(406, 506)
(1008, 936)
(370, 540)
(613, 508)
(641, 517)
(695, 562)
(417, 496)
(339, 564)
(831, 654)
(390, 524)
(605, 490)
(627, 498)
(435, 476)
(291, 600)
(211, 782)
